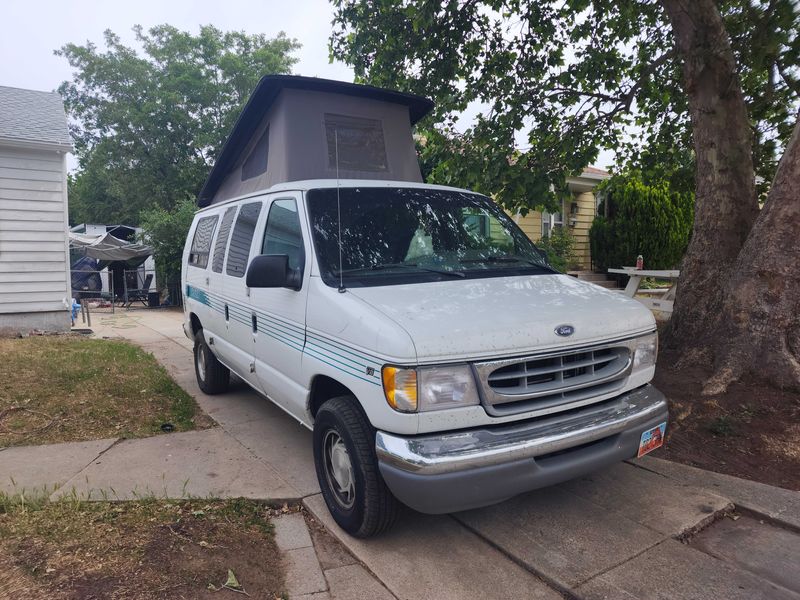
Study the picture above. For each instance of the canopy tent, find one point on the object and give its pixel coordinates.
(105, 248)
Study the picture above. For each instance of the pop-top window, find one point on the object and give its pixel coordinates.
(360, 143)
(242, 239)
(201, 243)
(222, 239)
(256, 162)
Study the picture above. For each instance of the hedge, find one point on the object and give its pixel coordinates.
(648, 220)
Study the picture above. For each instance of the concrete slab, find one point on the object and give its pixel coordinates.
(303, 575)
(41, 469)
(207, 463)
(355, 583)
(291, 532)
(283, 443)
(770, 552)
(559, 536)
(649, 499)
(426, 556)
(674, 571)
(774, 502)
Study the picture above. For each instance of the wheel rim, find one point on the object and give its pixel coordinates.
(339, 469)
(201, 362)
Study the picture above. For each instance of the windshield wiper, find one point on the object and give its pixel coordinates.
(403, 265)
(506, 258)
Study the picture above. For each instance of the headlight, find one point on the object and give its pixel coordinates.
(429, 388)
(646, 351)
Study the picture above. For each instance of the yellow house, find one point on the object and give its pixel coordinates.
(577, 213)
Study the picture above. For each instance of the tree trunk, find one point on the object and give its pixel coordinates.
(759, 332)
(725, 205)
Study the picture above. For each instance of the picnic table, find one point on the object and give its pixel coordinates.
(667, 297)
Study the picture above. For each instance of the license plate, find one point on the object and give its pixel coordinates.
(652, 439)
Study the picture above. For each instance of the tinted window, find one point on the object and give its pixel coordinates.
(201, 243)
(242, 238)
(256, 162)
(360, 143)
(408, 235)
(222, 240)
(283, 235)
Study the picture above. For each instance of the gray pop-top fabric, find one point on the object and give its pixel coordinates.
(33, 116)
(296, 128)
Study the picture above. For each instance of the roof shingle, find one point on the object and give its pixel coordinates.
(33, 116)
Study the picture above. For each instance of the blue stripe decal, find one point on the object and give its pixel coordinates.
(295, 336)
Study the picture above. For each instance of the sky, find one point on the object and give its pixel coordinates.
(31, 30)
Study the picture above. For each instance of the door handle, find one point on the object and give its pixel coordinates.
(255, 323)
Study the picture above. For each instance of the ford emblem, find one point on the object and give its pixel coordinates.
(565, 330)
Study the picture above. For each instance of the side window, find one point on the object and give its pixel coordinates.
(283, 234)
(222, 239)
(256, 163)
(201, 243)
(242, 238)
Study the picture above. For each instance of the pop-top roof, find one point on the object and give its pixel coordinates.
(283, 127)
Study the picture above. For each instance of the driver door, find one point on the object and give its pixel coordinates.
(281, 312)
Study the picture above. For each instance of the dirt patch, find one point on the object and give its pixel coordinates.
(140, 550)
(752, 431)
(69, 388)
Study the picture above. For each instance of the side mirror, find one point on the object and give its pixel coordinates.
(272, 271)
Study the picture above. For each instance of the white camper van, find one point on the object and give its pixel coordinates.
(438, 359)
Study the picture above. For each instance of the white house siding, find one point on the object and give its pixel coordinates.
(34, 250)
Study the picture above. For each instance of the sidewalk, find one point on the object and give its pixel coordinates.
(615, 534)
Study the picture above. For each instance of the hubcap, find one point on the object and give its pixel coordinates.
(201, 362)
(339, 469)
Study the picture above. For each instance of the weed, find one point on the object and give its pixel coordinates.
(723, 426)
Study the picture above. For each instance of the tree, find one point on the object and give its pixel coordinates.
(574, 77)
(149, 123)
(166, 232)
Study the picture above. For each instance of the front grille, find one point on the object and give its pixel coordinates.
(544, 382)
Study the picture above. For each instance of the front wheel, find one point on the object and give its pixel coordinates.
(347, 470)
(212, 376)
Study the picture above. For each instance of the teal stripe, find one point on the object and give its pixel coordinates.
(329, 351)
(290, 334)
(307, 352)
(345, 348)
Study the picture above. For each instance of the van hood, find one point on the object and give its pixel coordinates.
(503, 316)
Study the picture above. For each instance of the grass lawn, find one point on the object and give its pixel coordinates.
(70, 388)
(136, 550)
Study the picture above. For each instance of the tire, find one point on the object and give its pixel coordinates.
(212, 376)
(341, 431)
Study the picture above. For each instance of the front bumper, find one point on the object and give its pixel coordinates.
(459, 470)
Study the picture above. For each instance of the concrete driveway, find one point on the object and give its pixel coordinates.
(644, 529)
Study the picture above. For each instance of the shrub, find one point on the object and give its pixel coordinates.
(166, 232)
(559, 246)
(641, 219)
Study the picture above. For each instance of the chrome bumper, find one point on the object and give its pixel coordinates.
(456, 451)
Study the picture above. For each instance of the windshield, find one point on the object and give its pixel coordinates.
(409, 235)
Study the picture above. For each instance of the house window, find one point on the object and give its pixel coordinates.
(222, 239)
(256, 162)
(282, 234)
(550, 221)
(242, 239)
(201, 242)
(360, 143)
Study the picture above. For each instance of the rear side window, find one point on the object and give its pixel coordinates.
(222, 239)
(201, 243)
(283, 235)
(242, 238)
